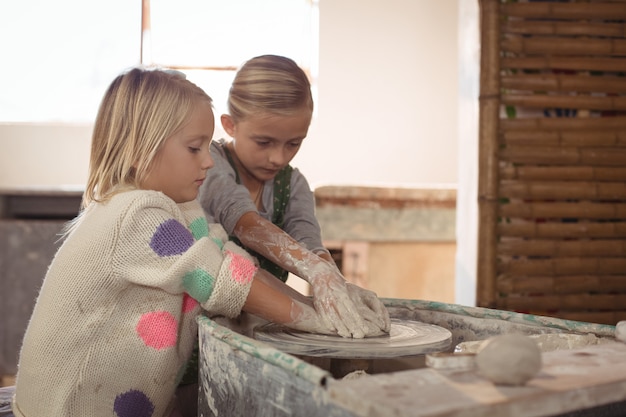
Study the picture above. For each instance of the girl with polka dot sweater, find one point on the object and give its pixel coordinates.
(114, 323)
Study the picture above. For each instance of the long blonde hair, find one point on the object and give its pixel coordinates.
(269, 84)
(139, 111)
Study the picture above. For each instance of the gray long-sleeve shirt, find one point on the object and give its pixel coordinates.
(226, 201)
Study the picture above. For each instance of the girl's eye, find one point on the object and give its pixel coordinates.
(194, 150)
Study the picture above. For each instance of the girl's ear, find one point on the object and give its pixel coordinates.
(228, 124)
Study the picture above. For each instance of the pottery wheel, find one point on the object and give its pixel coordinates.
(406, 338)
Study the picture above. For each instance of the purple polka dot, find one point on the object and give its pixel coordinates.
(133, 403)
(171, 238)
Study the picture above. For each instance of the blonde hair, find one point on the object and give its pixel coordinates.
(269, 84)
(139, 111)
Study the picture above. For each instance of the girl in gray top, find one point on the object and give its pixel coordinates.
(267, 205)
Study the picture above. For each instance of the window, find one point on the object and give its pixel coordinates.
(61, 56)
(213, 41)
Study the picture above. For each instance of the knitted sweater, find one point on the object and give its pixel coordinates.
(114, 323)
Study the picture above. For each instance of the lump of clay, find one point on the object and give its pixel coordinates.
(355, 375)
(510, 359)
(620, 331)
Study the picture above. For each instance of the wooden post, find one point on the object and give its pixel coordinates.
(489, 109)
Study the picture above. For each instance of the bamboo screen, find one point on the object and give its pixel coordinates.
(552, 159)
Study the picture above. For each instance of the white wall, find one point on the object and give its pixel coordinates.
(44, 155)
(98, 42)
(387, 104)
(467, 192)
(387, 94)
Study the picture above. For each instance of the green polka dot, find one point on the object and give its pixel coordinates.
(199, 228)
(218, 242)
(199, 285)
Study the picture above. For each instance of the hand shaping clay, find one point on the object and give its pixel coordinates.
(620, 331)
(510, 359)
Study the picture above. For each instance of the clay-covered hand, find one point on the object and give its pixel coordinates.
(371, 309)
(333, 303)
(306, 319)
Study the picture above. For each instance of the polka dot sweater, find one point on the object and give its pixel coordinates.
(114, 323)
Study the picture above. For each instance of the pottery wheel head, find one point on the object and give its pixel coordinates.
(406, 338)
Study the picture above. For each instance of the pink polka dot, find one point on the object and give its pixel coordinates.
(241, 269)
(158, 329)
(188, 303)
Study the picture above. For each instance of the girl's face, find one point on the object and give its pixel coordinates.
(180, 166)
(266, 143)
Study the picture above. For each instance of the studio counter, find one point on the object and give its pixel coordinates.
(240, 376)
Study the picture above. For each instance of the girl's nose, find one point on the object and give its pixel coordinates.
(207, 161)
(278, 157)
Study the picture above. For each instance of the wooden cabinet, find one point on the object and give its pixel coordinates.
(398, 242)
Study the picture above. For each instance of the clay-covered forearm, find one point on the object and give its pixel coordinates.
(267, 239)
(333, 307)
(272, 300)
(278, 285)
(267, 302)
(275, 301)
(325, 256)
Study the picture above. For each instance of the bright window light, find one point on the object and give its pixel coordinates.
(59, 57)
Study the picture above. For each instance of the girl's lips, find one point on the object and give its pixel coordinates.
(271, 172)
